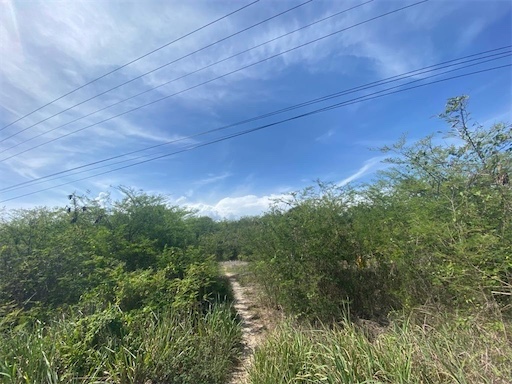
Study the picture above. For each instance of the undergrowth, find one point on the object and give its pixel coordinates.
(113, 347)
(419, 348)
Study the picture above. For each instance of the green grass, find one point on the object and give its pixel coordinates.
(447, 350)
(113, 348)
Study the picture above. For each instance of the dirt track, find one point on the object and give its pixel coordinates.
(253, 326)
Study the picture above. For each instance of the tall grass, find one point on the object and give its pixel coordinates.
(448, 350)
(163, 348)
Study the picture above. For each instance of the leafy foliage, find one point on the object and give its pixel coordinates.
(112, 294)
(130, 291)
(230, 240)
(435, 227)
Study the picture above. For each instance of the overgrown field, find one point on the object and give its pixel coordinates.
(114, 347)
(411, 351)
(435, 227)
(119, 293)
(406, 279)
(434, 231)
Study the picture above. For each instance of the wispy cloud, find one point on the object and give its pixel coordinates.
(211, 179)
(325, 137)
(48, 50)
(369, 166)
(473, 29)
(250, 204)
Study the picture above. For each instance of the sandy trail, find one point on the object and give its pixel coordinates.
(253, 326)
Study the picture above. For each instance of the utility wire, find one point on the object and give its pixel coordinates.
(218, 77)
(320, 110)
(130, 62)
(175, 79)
(417, 72)
(202, 133)
(158, 68)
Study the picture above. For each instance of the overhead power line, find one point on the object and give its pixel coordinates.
(171, 81)
(160, 67)
(218, 77)
(237, 134)
(218, 129)
(409, 74)
(130, 62)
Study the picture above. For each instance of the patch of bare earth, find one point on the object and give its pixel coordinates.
(256, 319)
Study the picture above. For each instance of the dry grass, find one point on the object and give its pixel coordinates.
(421, 348)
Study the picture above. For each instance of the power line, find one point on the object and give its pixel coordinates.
(322, 99)
(158, 68)
(409, 74)
(334, 106)
(321, 110)
(131, 62)
(173, 80)
(310, 102)
(217, 78)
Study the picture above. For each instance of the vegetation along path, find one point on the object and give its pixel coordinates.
(254, 323)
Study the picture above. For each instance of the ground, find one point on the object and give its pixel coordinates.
(256, 319)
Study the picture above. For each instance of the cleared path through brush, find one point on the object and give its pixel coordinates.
(250, 312)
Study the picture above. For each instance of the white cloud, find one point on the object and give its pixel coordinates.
(233, 207)
(369, 166)
(252, 205)
(211, 179)
(103, 199)
(75, 53)
(48, 48)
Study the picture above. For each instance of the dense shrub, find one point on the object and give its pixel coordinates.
(435, 227)
(117, 294)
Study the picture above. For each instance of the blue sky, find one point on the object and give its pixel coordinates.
(48, 48)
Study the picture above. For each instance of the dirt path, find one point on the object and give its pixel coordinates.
(254, 326)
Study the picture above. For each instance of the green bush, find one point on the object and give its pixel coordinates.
(112, 295)
(433, 228)
(310, 260)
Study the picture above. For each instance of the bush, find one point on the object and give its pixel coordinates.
(434, 228)
(311, 262)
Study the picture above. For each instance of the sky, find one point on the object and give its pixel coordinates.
(50, 48)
